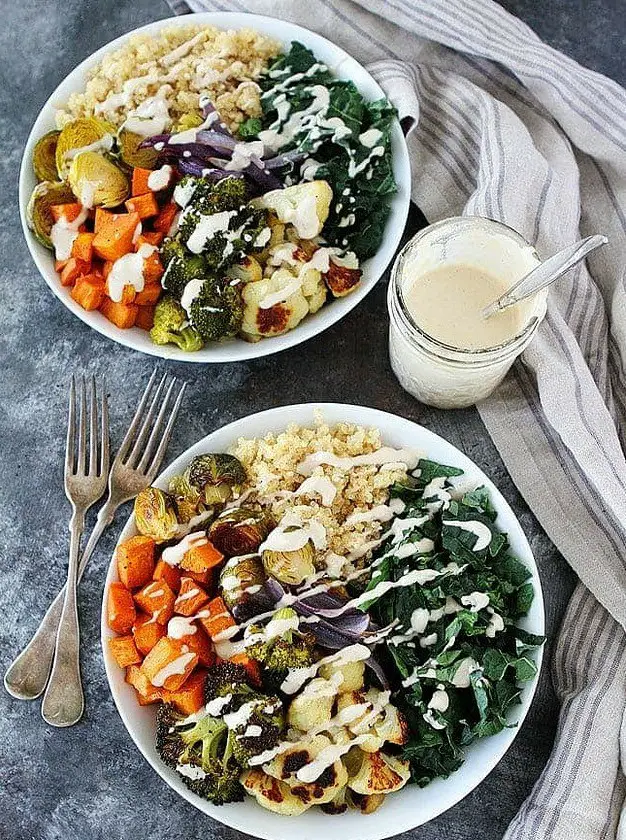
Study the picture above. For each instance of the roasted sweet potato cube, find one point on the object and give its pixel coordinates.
(156, 599)
(190, 698)
(201, 557)
(170, 574)
(121, 611)
(215, 617)
(135, 561)
(146, 692)
(205, 579)
(191, 597)
(147, 632)
(124, 651)
(169, 663)
(200, 643)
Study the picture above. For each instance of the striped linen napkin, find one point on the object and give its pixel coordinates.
(513, 130)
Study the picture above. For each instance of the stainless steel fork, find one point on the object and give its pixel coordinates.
(135, 467)
(85, 483)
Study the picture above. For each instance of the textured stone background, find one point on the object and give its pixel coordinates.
(90, 782)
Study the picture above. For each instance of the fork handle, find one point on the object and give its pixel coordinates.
(27, 676)
(63, 702)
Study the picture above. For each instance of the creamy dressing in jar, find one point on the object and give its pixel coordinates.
(441, 349)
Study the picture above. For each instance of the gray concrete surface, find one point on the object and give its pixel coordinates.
(90, 782)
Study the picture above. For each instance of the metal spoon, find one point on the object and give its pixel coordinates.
(545, 273)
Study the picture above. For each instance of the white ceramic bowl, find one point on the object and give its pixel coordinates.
(344, 67)
(411, 806)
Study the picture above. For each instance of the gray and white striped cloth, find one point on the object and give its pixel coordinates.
(511, 129)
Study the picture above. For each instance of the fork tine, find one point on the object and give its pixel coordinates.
(159, 454)
(139, 444)
(82, 430)
(155, 434)
(71, 430)
(104, 438)
(134, 425)
(93, 429)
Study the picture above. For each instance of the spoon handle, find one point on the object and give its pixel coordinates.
(546, 273)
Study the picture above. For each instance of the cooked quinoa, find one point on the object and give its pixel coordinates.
(272, 465)
(180, 64)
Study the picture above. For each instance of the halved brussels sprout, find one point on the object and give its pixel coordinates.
(240, 531)
(79, 134)
(187, 499)
(39, 214)
(155, 514)
(97, 181)
(217, 476)
(238, 578)
(44, 160)
(130, 153)
(292, 567)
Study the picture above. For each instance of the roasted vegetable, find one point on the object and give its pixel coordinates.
(155, 514)
(273, 794)
(217, 312)
(246, 270)
(181, 266)
(240, 531)
(170, 326)
(291, 567)
(305, 206)
(130, 153)
(187, 499)
(312, 708)
(290, 765)
(273, 305)
(78, 136)
(238, 576)
(97, 181)
(217, 476)
(376, 772)
(39, 213)
(44, 160)
(282, 647)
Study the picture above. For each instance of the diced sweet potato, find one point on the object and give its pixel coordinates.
(139, 184)
(88, 291)
(205, 579)
(190, 698)
(121, 613)
(123, 315)
(169, 663)
(102, 218)
(191, 597)
(135, 561)
(153, 269)
(114, 238)
(150, 293)
(200, 643)
(156, 597)
(145, 317)
(150, 237)
(59, 265)
(201, 557)
(82, 247)
(72, 270)
(128, 292)
(146, 632)
(163, 221)
(146, 692)
(69, 212)
(215, 617)
(144, 205)
(124, 651)
(170, 574)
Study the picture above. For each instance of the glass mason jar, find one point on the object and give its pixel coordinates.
(439, 374)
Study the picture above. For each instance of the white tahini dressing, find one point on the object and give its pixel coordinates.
(384, 455)
(63, 234)
(160, 178)
(175, 667)
(174, 554)
(128, 271)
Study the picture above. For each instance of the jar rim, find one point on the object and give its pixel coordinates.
(416, 332)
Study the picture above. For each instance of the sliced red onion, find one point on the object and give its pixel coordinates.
(217, 139)
(282, 160)
(209, 108)
(377, 668)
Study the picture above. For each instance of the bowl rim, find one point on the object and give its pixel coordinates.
(275, 419)
(235, 349)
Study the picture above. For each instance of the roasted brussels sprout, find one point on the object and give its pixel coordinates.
(217, 476)
(187, 499)
(155, 514)
(96, 181)
(240, 531)
(39, 213)
(90, 134)
(240, 578)
(291, 567)
(44, 160)
(130, 153)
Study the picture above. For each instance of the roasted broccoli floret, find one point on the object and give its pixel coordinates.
(170, 326)
(181, 266)
(227, 680)
(217, 312)
(277, 653)
(201, 751)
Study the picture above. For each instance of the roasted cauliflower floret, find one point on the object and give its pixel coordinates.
(328, 779)
(313, 707)
(373, 716)
(341, 279)
(305, 206)
(273, 794)
(376, 772)
(247, 270)
(353, 674)
(313, 289)
(272, 306)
